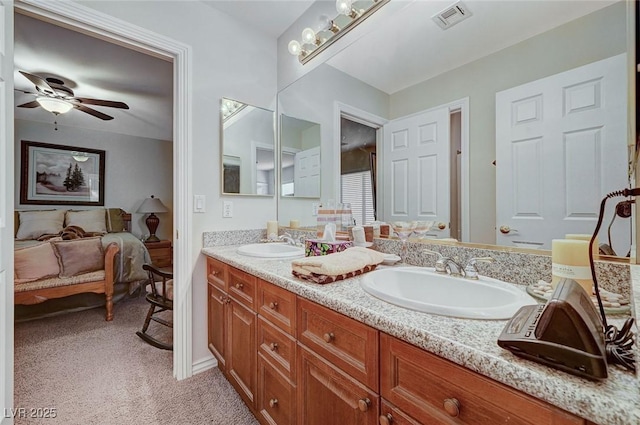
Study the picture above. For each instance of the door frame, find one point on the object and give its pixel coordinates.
(366, 118)
(93, 22)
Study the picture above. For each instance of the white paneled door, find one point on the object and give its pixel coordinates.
(307, 173)
(6, 213)
(560, 148)
(416, 168)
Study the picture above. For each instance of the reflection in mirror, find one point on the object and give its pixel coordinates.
(248, 149)
(299, 158)
(506, 177)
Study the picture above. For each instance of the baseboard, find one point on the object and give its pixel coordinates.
(204, 364)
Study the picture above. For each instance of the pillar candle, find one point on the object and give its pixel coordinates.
(570, 259)
(294, 224)
(587, 238)
(272, 229)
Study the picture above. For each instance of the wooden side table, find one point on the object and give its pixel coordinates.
(161, 253)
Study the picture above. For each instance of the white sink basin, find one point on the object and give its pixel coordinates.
(423, 289)
(271, 250)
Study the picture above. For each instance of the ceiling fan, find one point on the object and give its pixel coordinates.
(57, 98)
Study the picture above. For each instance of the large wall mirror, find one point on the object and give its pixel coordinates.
(473, 87)
(248, 149)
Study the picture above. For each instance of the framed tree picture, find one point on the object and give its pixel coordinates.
(61, 175)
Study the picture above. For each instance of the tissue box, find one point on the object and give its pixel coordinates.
(315, 247)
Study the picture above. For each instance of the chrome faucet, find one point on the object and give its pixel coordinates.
(446, 264)
(471, 272)
(286, 237)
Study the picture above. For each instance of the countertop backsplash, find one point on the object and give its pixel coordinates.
(522, 268)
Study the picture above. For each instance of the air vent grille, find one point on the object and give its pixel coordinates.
(452, 15)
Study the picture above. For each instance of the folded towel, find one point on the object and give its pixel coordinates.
(340, 265)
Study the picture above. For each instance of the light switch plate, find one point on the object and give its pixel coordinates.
(199, 203)
(227, 209)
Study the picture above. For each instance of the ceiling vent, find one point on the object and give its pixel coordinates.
(453, 14)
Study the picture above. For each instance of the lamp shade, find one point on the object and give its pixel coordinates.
(152, 205)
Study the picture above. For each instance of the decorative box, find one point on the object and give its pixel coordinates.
(315, 247)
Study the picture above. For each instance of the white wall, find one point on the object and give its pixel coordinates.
(135, 168)
(231, 60)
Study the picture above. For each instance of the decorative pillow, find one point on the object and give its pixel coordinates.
(34, 224)
(115, 222)
(89, 220)
(79, 256)
(35, 262)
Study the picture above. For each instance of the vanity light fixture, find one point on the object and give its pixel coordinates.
(230, 107)
(329, 31)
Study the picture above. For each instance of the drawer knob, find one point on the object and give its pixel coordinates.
(386, 419)
(273, 346)
(221, 298)
(273, 402)
(363, 404)
(273, 305)
(452, 406)
(239, 285)
(329, 337)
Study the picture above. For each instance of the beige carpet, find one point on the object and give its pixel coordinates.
(97, 372)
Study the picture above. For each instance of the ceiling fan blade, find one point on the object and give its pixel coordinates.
(32, 104)
(93, 112)
(24, 91)
(99, 102)
(40, 83)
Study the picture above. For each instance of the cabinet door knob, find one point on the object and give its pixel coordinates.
(239, 285)
(273, 305)
(222, 299)
(329, 337)
(273, 346)
(385, 419)
(273, 402)
(363, 404)
(452, 406)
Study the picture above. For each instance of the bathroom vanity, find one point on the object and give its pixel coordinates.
(303, 353)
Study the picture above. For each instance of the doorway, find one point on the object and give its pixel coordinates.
(121, 32)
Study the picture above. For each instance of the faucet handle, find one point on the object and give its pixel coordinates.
(470, 268)
(441, 260)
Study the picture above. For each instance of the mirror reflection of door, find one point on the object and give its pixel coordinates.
(264, 171)
(300, 168)
(357, 168)
(231, 174)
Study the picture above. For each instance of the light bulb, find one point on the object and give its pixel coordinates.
(343, 6)
(225, 109)
(294, 47)
(308, 36)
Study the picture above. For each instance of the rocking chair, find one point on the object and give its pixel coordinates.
(161, 299)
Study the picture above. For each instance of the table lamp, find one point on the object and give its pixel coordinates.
(151, 206)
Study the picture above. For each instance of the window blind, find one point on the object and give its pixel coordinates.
(356, 189)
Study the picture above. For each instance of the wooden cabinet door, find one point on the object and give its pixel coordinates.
(276, 403)
(327, 395)
(216, 326)
(241, 350)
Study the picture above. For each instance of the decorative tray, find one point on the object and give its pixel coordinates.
(613, 303)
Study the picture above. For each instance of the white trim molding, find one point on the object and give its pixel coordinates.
(121, 32)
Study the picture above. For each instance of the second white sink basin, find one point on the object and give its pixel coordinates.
(423, 289)
(271, 250)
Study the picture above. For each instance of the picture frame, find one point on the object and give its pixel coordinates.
(61, 175)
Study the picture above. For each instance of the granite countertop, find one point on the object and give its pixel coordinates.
(470, 343)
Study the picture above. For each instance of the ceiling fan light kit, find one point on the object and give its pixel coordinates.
(53, 96)
(55, 105)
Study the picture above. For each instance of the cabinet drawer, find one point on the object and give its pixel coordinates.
(216, 273)
(433, 390)
(326, 395)
(391, 415)
(242, 287)
(347, 343)
(278, 305)
(278, 347)
(276, 395)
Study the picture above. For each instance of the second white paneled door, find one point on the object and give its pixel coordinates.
(416, 168)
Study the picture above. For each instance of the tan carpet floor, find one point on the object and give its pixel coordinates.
(96, 372)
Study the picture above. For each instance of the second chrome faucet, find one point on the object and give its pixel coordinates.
(449, 266)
